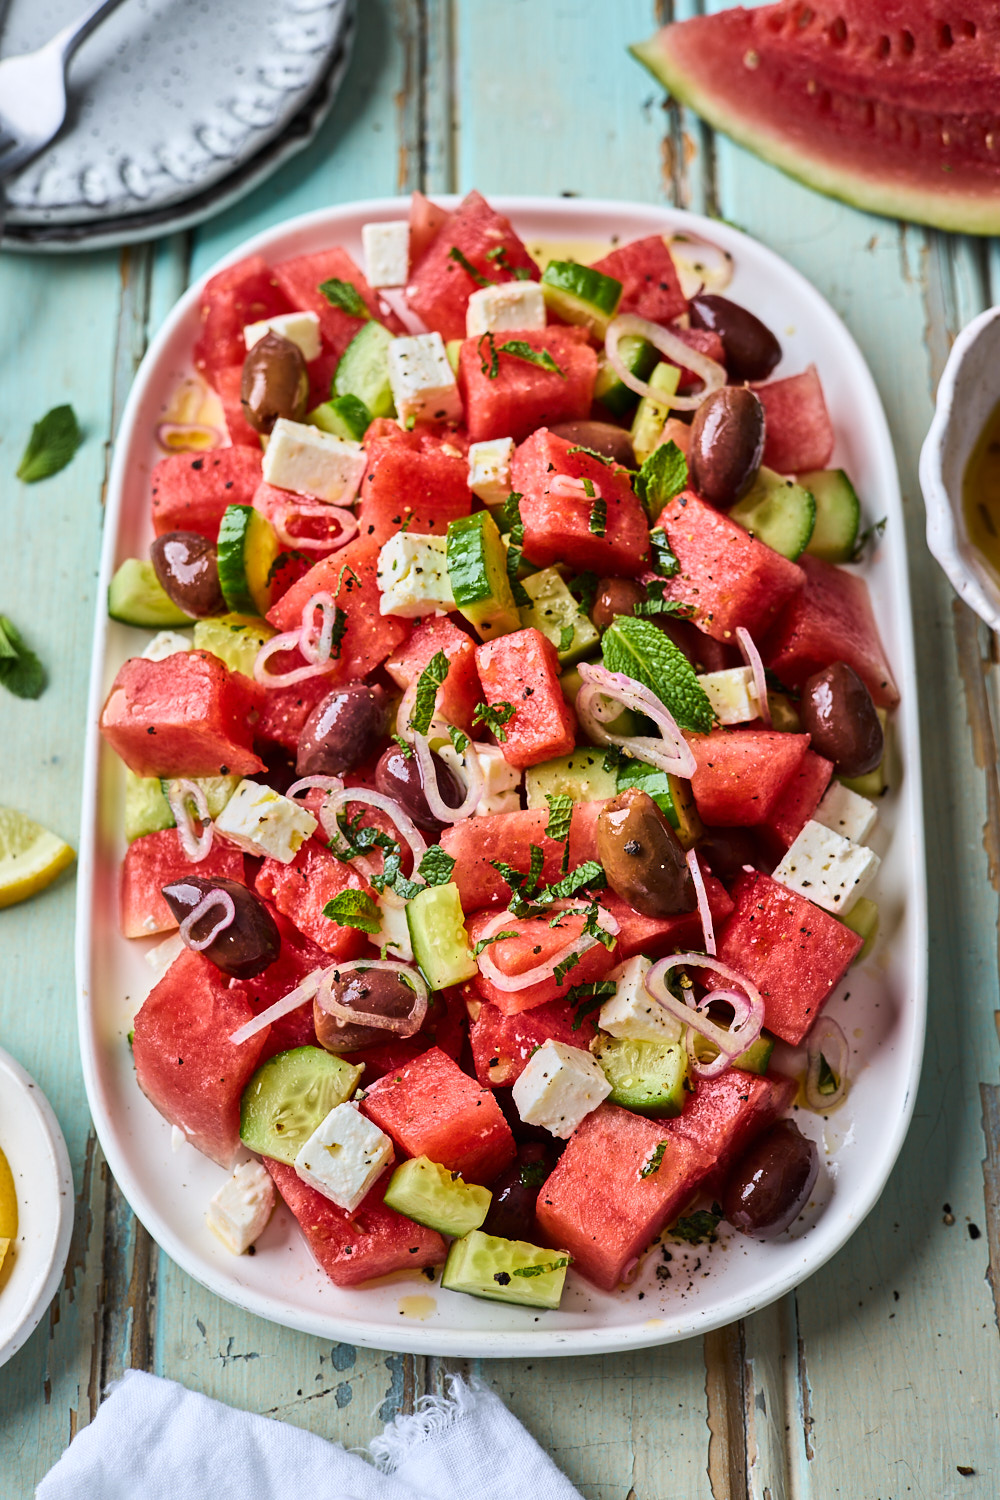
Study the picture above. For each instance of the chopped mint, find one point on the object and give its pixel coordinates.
(338, 631)
(456, 255)
(637, 648)
(533, 1173)
(664, 560)
(827, 1081)
(542, 1270)
(519, 349)
(570, 962)
(588, 997)
(598, 524)
(587, 873)
(584, 589)
(21, 673)
(52, 443)
(602, 458)
(345, 295)
(511, 522)
(566, 636)
(494, 716)
(425, 698)
(352, 908)
(405, 746)
(699, 1226)
(870, 534)
(458, 739)
(653, 1164)
(663, 475)
(436, 866)
(655, 602)
(560, 816)
(497, 937)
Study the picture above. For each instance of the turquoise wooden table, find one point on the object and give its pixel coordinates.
(880, 1377)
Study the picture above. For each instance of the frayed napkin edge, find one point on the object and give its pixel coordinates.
(433, 1416)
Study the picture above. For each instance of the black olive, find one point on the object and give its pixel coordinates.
(837, 711)
(751, 349)
(770, 1185)
(187, 566)
(343, 730)
(642, 857)
(380, 992)
(727, 443)
(275, 382)
(397, 775)
(251, 941)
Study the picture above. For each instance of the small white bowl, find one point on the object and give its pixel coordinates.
(967, 394)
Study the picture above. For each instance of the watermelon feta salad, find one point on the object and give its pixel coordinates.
(499, 775)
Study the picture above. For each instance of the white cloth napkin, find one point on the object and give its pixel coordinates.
(154, 1440)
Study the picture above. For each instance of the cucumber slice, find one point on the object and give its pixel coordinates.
(838, 514)
(778, 512)
(640, 358)
(580, 775)
(136, 597)
(484, 1265)
(290, 1096)
(757, 1056)
(146, 808)
(863, 919)
(247, 548)
(438, 936)
(555, 612)
(579, 294)
(343, 417)
(453, 349)
(647, 424)
(477, 570)
(429, 1194)
(647, 1077)
(234, 639)
(218, 790)
(363, 370)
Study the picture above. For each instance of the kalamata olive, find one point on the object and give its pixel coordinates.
(615, 596)
(642, 856)
(770, 1185)
(187, 567)
(752, 351)
(727, 850)
(398, 775)
(343, 729)
(379, 992)
(275, 382)
(727, 442)
(836, 709)
(251, 941)
(515, 1192)
(604, 437)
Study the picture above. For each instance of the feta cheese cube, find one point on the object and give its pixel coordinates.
(632, 1011)
(239, 1212)
(501, 781)
(489, 470)
(827, 869)
(167, 643)
(344, 1157)
(309, 462)
(412, 576)
(847, 813)
(559, 1088)
(387, 252)
(732, 695)
(499, 309)
(299, 328)
(422, 380)
(262, 822)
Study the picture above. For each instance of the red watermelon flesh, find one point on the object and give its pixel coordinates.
(427, 219)
(727, 576)
(431, 1108)
(599, 1207)
(191, 493)
(351, 1248)
(831, 620)
(502, 1045)
(153, 861)
(742, 773)
(228, 384)
(557, 528)
(315, 535)
(185, 716)
(302, 888)
(657, 936)
(241, 294)
(891, 107)
(388, 1057)
(284, 711)
(704, 341)
(536, 943)
(300, 280)
(651, 287)
(521, 396)
(440, 287)
(798, 433)
(797, 803)
(794, 953)
(422, 491)
(508, 837)
(298, 958)
(724, 1115)
(461, 690)
(184, 1061)
(522, 669)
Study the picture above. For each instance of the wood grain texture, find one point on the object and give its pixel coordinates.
(880, 1375)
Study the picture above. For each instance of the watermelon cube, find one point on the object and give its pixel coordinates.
(302, 888)
(404, 486)
(651, 287)
(743, 773)
(796, 804)
(522, 669)
(184, 1061)
(299, 957)
(284, 711)
(657, 936)
(389, 1056)
(431, 1108)
(300, 279)
(536, 943)
(558, 522)
(315, 535)
(599, 1206)
(794, 953)
(426, 221)
(240, 294)
(153, 861)
(185, 716)
(724, 1114)
(522, 396)
(798, 433)
(507, 837)
(461, 690)
(228, 385)
(440, 286)
(727, 576)
(190, 493)
(371, 1241)
(501, 1044)
(831, 620)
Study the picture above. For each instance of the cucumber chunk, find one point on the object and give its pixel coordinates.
(438, 936)
(453, 349)
(484, 1265)
(647, 1077)
(558, 616)
(579, 294)
(778, 512)
(363, 370)
(838, 514)
(247, 548)
(217, 789)
(650, 415)
(146, 808)
(429, 1194)
(343, 417)
(290, 1096)
(234, 639)
(640, 358)
(757, 1056)
(863, 919)
(580, 775)
(136, 597)
(477, 569)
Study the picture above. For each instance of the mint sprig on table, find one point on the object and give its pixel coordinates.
(641, 651)
(52, 443)
(21, 673)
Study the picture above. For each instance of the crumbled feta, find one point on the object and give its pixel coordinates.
(732, 695)
(393, 937)
(847, 813)
(310, 462)
(503, 308)
(559, 1088)
(413, 577)
(262, 822)
(163, 954)
(489, 470)
(167, 643)
(344, 1157)
(387, 252)
(299, 328)
(422, 380)
(239, 1212)
(827, 869)
(501, 780)
(632, 1011)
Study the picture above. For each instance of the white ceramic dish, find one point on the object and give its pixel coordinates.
(43, 1181)
(968, 392)
(881, 1006)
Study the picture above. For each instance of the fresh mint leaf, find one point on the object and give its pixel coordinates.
(560, 816)
(591, 925)
(655, 602)
(519, 349)
(589, 997)
(490, 367)
(598, 523)
(584, 589)
(52, 443)
(456, 255)
(353, 908)
(404, 745)
(511, 521)
(542, 1270)
(425, 697)
(698, 1227)
(644, 653)
(494, 716)
(664, 560)
(458, 739)
(561, 970)
(345, 295)
(567, 634)
(485, 943)
(588, 873)
(436, 866)
(870, 534)
(653, 1164)
(827, 1082)
(21, 673)
(338, 632)
(662, 476)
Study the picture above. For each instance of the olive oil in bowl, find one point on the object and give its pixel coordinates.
(981, 492)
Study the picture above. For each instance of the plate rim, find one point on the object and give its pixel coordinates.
(470, 1343)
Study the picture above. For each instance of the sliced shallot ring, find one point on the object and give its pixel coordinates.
(511, 984)
(346, 520)
(195, 846)
(670, 753)
(188, 437)
(704, 910)
(436, 804)
(630, 325)
(744, 997)
(208, 903)
(316, 649)
(752, 658)
(401, 1025)
(826, 1038)
(566, 487)
(283, 1007)
(289, 640)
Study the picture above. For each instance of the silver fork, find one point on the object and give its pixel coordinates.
(33, 91)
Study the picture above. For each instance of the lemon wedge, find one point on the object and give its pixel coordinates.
(30, 857)
(8, 1202)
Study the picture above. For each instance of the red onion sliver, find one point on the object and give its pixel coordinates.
(346, 520)
(188, 437)
(435, 802)
(401, 1025)
(826, 1039)
(675, 349)
(283, 1007)
(565, 487)
(748, 1008)
(511, 984)
(316, 651)
(751, 656)
(704, 910)
(671, 753)
(221, 899)
(195, 846)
